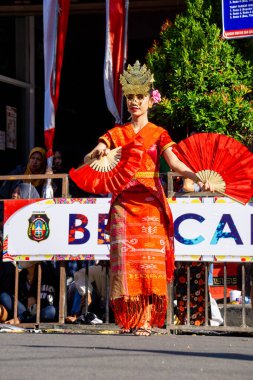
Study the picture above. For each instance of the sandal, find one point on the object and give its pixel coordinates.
(125, 331)
(142, 331)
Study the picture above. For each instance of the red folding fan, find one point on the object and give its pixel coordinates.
(221, 160)
(112, 172)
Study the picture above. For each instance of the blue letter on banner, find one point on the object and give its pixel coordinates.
(180, 238)
(226, 219)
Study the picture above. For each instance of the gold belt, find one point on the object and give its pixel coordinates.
(146, 175)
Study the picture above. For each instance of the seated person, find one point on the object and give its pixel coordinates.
(27, 293)
(36, 165)
(58, 168)
(76, 302)
(72, 266)
(24, 191)
(7, 276)
(190, 186)
(62, 164)
(96, 291)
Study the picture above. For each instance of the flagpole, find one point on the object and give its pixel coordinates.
(55, 48)
(125, 53)
(55, 21)
(115, 55)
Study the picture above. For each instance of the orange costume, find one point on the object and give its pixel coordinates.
(141, 233)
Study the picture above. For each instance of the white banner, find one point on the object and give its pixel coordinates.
(65, 229)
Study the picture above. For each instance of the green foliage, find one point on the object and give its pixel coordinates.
(205, 81)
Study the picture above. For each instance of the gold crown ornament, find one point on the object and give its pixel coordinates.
(136, 80)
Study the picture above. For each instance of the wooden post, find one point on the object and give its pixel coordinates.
(16, 294)
(62, 295)
(38, 294)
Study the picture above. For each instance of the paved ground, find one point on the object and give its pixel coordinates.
(113, 356)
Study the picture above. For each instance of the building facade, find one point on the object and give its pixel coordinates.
(82, 115)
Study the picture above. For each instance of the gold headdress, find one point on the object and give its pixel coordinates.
(136, 79)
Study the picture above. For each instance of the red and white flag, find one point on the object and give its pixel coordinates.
(115, 54)
(55, 24)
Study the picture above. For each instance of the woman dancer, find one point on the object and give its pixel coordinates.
(140, 220)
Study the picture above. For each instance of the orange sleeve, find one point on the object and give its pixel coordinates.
(165, 142)
(106, 138)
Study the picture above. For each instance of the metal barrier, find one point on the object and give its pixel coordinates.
(239, 310)
(62, 292)
(171, 325)
(225, 307)
(64, 177)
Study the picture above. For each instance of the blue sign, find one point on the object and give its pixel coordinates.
(237, 18)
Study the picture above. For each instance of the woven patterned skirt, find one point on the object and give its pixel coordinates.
(138, 241)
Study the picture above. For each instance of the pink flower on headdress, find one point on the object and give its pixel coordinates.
(156, 96)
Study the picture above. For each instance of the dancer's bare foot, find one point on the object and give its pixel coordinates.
(143, 331)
